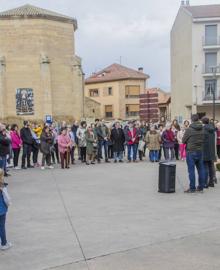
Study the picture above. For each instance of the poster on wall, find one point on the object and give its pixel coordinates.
(24, 101)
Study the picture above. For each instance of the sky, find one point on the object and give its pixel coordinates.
(133, 33)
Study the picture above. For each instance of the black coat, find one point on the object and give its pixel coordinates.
(209, 143)
(4, 145)
(26, 136)
(118, 139)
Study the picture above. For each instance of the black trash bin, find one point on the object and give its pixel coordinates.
(167, 177)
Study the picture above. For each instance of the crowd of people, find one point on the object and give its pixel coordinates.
(92, 143)
(196, 141)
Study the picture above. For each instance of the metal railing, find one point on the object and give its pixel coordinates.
(209, 96)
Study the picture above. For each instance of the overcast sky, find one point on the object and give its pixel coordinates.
(137, 31)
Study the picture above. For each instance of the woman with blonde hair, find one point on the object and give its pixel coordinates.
(3, 212)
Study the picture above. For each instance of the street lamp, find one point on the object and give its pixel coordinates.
(213, 88)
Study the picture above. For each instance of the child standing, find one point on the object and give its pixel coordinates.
(3, 212)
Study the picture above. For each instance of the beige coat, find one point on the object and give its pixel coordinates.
(153, 140)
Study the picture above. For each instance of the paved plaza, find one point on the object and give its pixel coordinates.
(110, 217)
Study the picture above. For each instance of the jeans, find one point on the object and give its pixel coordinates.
(134, 148)
(16, 156)
(118, 155)
(3, 163)
(169, 153)
(100, 145)
(2, 230)
(35, 151)
(27, 148)
(195, 159)
(209, 172)
(46, 158)
(83, 154)
(154, 155)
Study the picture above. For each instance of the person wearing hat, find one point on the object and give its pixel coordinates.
(3, 212)
(27, 140)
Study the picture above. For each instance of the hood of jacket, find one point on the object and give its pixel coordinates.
(197, 126)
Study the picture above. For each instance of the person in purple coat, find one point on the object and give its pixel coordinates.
(168, 139)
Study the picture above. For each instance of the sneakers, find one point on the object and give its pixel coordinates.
(17, 168)
(50, 167)
(199, 190)
(42, 168)
(6, 247)
(190, 190)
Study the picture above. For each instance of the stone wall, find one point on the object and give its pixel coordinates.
(40, 54)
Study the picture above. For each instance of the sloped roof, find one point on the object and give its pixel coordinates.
(204, 11)
(116, 72)
(29, 11)
(163, 97)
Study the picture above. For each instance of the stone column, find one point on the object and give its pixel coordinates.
(2, 86)
(46, 85)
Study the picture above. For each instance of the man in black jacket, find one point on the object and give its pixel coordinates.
(4, 149)
(209, 152)
(194, 140)
(27, 141)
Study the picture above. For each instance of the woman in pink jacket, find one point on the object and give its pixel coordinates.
(16, 144)
(64, 144)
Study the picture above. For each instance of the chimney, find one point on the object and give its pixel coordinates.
(187, 3)
(141, 69)
(182, 3)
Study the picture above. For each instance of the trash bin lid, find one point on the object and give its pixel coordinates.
(168, 163)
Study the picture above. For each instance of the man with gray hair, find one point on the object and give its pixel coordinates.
(194, 140)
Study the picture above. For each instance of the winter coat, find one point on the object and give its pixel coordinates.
(118, 139)
(90, 139)
(26, 136)
(102, 132)
(81, 137)
(218, 136)
(3, 206)
(132, 137)
(62, 143)
(46, 142)
(209, 143)
(4, 145)
(168, 139)
(15, 140)
(194, 137)
(153, 140)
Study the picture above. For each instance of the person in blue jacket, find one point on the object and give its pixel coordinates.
(3, 212)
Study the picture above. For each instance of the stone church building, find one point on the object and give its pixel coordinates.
(40, 74)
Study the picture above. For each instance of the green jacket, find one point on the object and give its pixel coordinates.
(194, 137)
(90, 139)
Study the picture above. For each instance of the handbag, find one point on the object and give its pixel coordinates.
(6, 196)
(141, 145)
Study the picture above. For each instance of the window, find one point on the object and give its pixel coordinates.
(93, 92)
(108, 111)
(24, 101)
(210, 85)
(211, 35)
(110, 93)
(132, 110)
(210, 61)
(132, 91)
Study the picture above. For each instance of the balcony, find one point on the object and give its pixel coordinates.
(208, 97)
(211, 43)
(208, 72)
